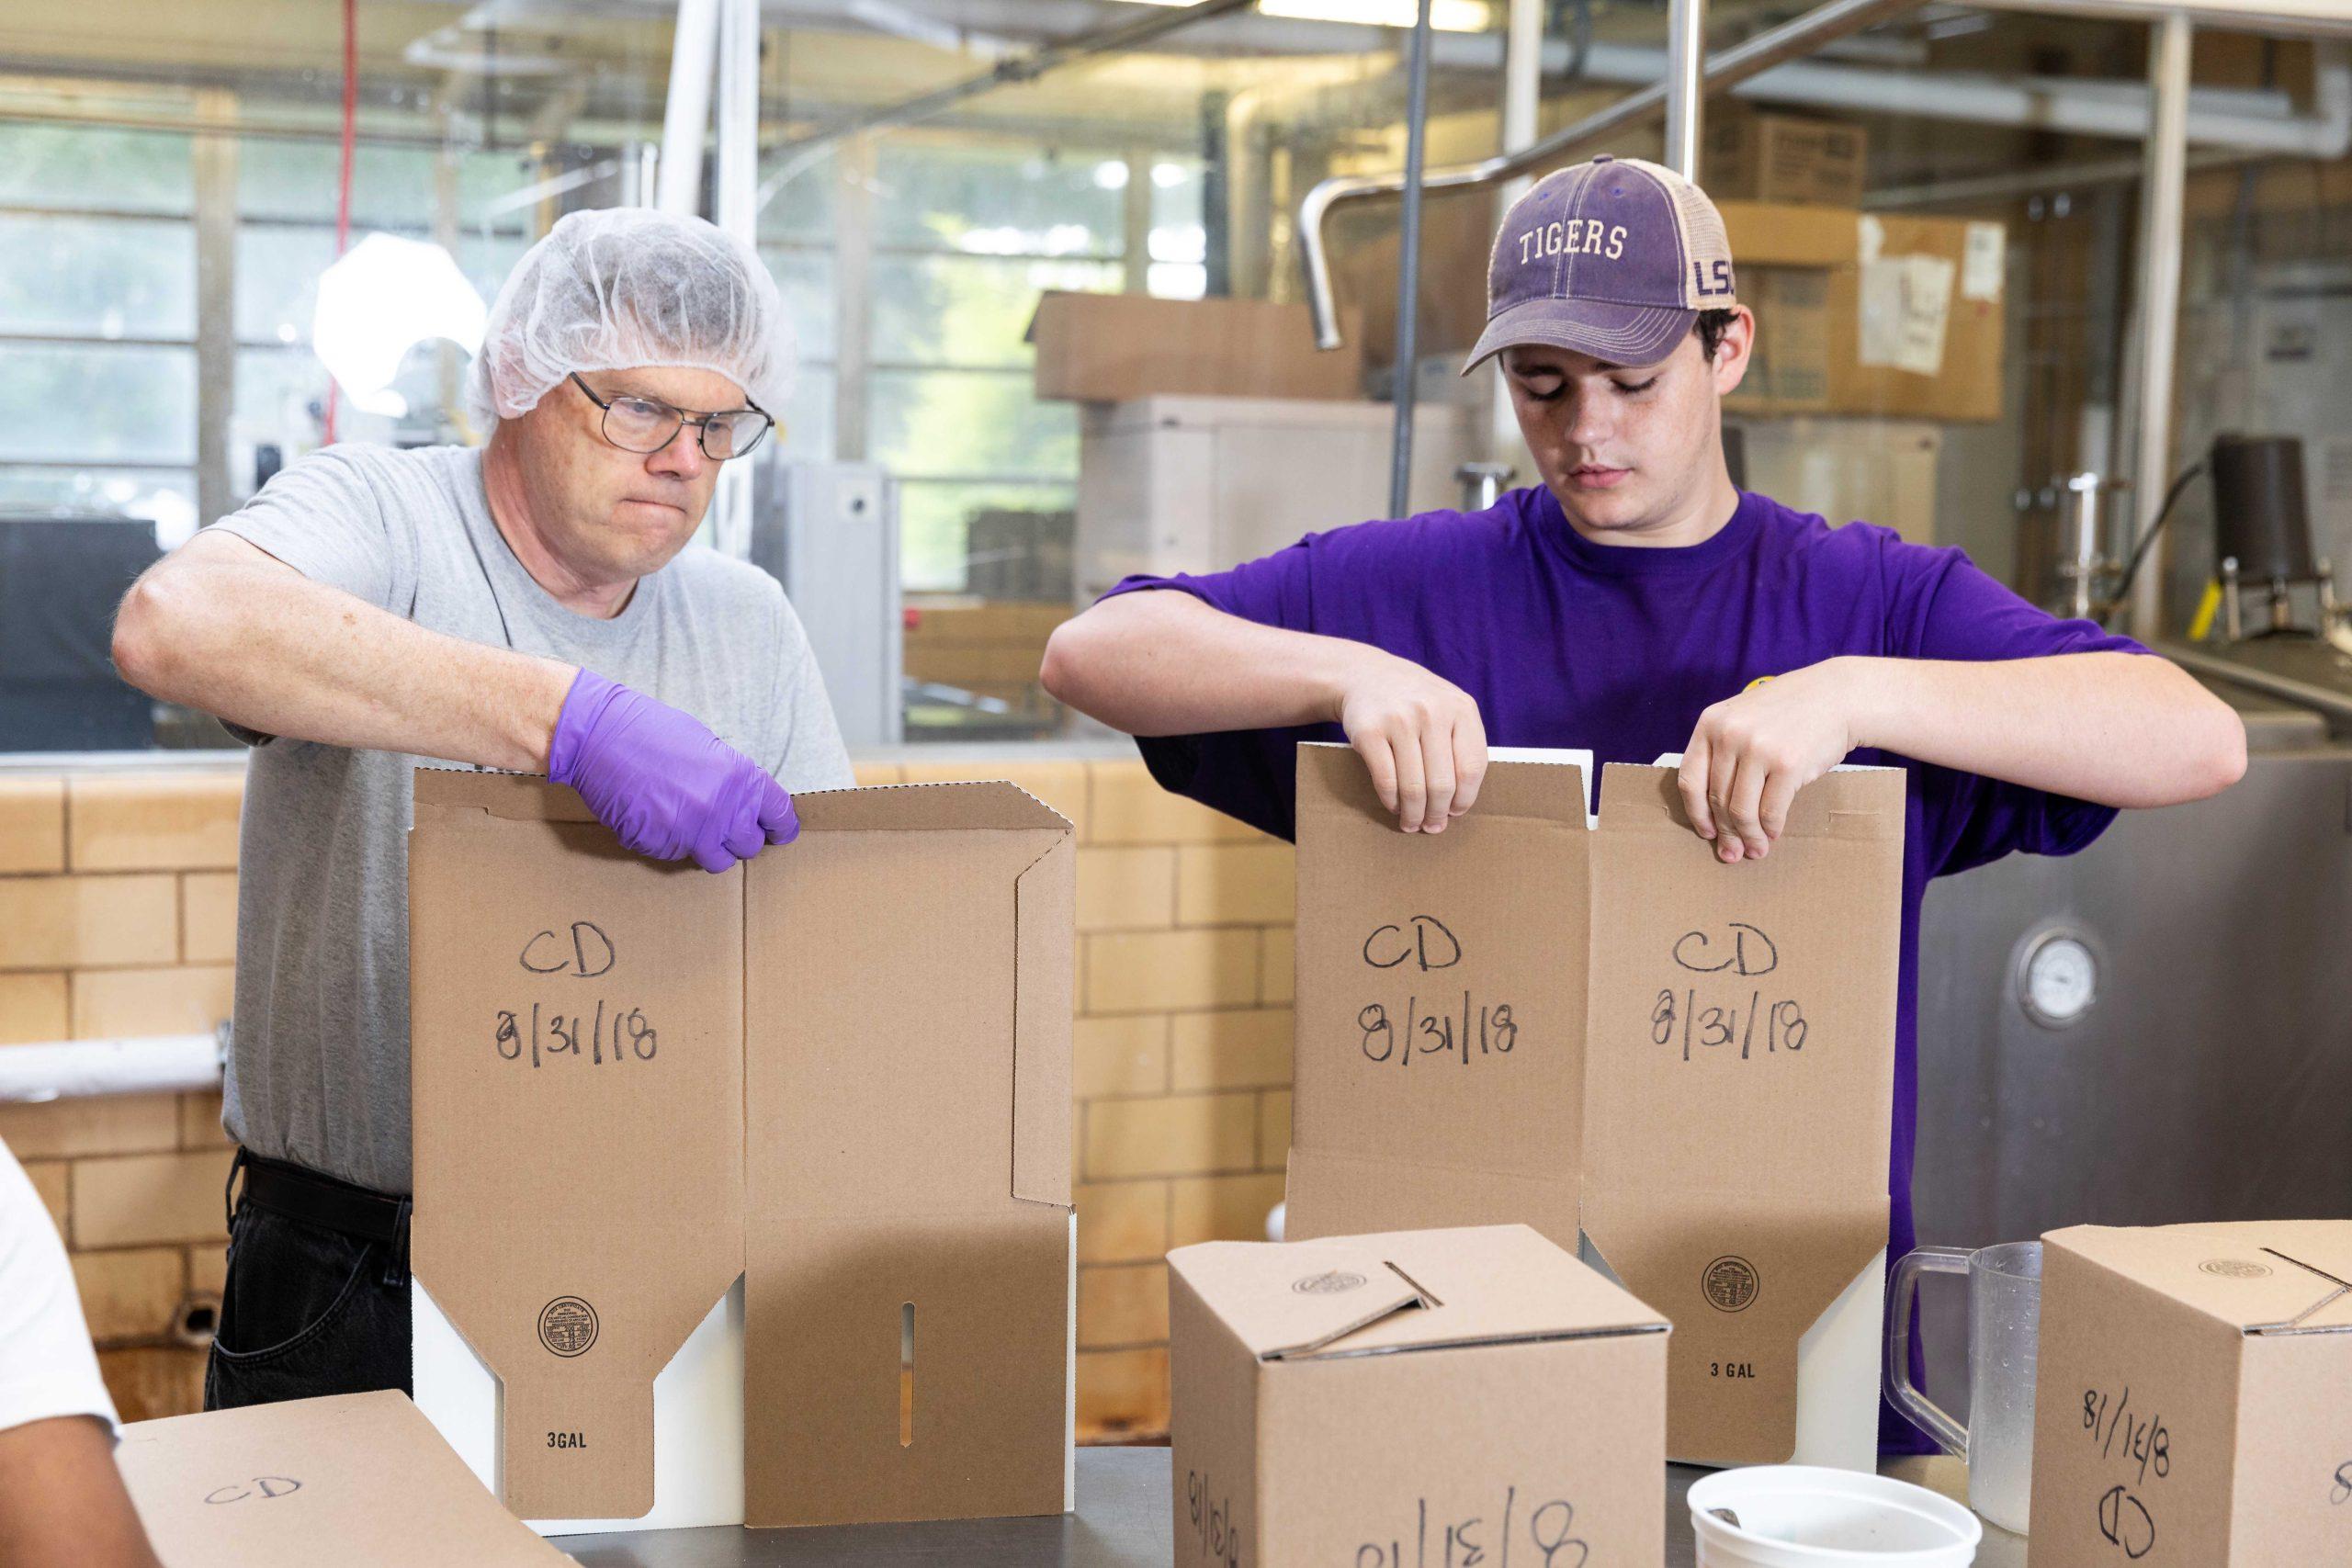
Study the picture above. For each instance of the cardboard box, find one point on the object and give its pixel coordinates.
(1449, 1397)
(1788, 369)
(1779, 157)
(1589, 1025)
(1779, 233)
(1113, 347)
(360, 1480)
(2193, 1398)
(841, 1072)
(1918, 329)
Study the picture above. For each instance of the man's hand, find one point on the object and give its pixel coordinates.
(1420, 736)
(663, 784)
(1751, 753)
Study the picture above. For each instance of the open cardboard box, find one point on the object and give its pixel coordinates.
(359, 1480)
(745, 1199)
(1412, 1398)
(2193, 1396)
(1589, 1025)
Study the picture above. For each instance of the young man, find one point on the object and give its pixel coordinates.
(530, 605)
(1637, 603)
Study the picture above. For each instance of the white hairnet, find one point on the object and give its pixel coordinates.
(624, 287)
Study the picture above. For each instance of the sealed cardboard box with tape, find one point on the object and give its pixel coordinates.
(1463, 1395)
(1588, 1024)
(2193, 1396)
(836, 1074)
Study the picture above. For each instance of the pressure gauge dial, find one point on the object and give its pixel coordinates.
(2058, 980)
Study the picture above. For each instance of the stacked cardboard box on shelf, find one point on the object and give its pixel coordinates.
(1756, 156)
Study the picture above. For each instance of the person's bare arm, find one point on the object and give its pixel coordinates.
(1162, 662)
(2123, 729)
(63, 1501)
(221, 625)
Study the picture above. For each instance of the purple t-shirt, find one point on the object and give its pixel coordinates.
(1564, 642)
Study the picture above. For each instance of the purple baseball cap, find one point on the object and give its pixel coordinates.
(1614, 258)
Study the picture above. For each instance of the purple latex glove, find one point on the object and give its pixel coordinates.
(666, 786)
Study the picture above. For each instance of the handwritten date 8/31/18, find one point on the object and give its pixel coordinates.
(1426, 1028)
(1694, 1018)
(596, 1031)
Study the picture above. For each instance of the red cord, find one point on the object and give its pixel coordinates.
(343, 182)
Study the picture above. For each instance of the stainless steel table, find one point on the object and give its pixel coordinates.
(1123, 1522)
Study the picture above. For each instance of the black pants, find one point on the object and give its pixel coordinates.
(308, 1308)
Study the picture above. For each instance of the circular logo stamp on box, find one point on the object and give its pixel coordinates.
(1332, 1282)
(1730, 1284)
(568, 1326)
(2233, 1269)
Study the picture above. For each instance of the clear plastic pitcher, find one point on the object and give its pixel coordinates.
(2004, 1328)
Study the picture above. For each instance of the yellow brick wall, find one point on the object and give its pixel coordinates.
(117, 903)
(117, 918)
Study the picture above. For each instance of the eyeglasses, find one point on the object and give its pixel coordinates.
(644, 424)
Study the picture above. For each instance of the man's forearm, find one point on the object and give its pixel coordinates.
(1164, 663)
(258, 644)
(2122, 730)
(63, 1501)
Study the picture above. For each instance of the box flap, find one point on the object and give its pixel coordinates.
(907, 1299)
(1733, 1003)
(1405, 1291)
(1440, 1018)
(2264, 1277)
(360, 1480)
(927, 808)
(514, 798)
(1743, 1279)
(1044, 1003)
(1731, 1006)
(577, 1010)
(1293, 1298)
(923, 1061)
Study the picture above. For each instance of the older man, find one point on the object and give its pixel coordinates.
(530, 606)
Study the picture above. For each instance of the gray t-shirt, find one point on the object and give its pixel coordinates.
(317, 1065)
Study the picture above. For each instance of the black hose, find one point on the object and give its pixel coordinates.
(2140, 550)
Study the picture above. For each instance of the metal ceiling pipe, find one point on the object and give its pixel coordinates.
(694, 44)
(1686, 94)
(2162, 201)
(1408, 271)
(1726, 69)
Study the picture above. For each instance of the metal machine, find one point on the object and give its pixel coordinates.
(2156, 1031)
(829, 532)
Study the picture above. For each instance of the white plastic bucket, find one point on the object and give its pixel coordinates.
(1800, 1516)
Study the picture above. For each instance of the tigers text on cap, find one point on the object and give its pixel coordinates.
(1614, 258)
